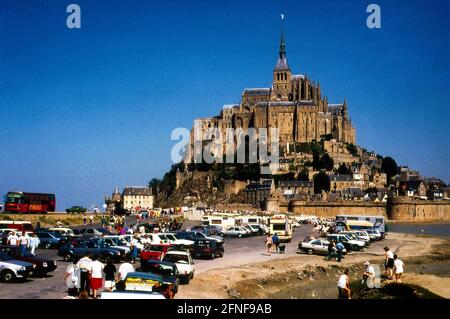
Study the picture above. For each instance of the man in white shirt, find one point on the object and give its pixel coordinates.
(34, 244)
(369, 275)
(124, 269)
(96, 276)
(398, 269)
(24, 241)
(13, 240)
(344, 290)
(84, 266)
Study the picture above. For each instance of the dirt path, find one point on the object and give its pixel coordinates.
(304, 276)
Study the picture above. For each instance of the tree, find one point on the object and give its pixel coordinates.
(154, 183)
(343, 169)
(321, 182)
(389, 166)
(326, 162)
(352, 149)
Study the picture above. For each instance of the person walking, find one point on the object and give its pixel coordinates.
(340, 251)
(110, 275)
(84, 266)
(24, 241)
(343, 286)
(96, 276)
(124, 269)
(269, 243)
(34, 244)
(276, 242)
(91, 219)
(72, 278)
(398, 269)
(84, 219)
(389, 262)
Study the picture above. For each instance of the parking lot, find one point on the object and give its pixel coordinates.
(238, 251)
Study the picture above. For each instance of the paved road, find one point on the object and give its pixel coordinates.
(237, 251)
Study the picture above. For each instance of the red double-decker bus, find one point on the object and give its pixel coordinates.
(20, 202)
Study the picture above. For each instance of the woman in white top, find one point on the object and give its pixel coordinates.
(72, 278)
(389, 263)
(398, 269)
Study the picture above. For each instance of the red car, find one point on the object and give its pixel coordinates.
(154, 251)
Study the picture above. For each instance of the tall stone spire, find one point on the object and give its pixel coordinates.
(282, 64)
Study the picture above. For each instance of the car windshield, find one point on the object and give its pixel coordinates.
(175, 258)
(348, 237)
(159, 269)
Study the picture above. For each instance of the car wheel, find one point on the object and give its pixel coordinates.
(192, 275)
(213, 255)
(310, 251)
(8, 276)
(187, 280)
(67, 257)
(47, 246)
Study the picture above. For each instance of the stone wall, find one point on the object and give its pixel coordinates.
(404, 208)
(333, 209)
(234, 186)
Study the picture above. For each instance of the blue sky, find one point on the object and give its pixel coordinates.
(83, 111)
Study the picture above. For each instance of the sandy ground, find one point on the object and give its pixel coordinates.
(293, 275)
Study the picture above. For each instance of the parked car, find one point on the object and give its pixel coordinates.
(78, 248)
(90, 232)
(63, 231)
(252, 231)
(357, 235)
(207, 248)
(374, 234)
(76, 210)
(315, 246)
(210, 230)
(167, 270)
(260, 230)
(48, 240)
(349, 244)
(236, 231)
(184, 262)
(173, 240)
(215, 230)
(108, 242)
(12, 269)
(154, 252)
(42, 265)
(142, 282)
(196, 235)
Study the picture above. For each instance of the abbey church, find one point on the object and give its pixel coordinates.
(294, 104)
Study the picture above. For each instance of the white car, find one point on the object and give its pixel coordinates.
(173, 240)
(315, 246)
(236, 231)
(11, 269)
(347, 241)
(358, 235)
(184, 262)
(374, 234)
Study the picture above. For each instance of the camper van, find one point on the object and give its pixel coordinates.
(250, 220)
(355, 222)
(282, 226)
(223, 221)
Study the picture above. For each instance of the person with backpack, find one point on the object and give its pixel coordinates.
(276, 242)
